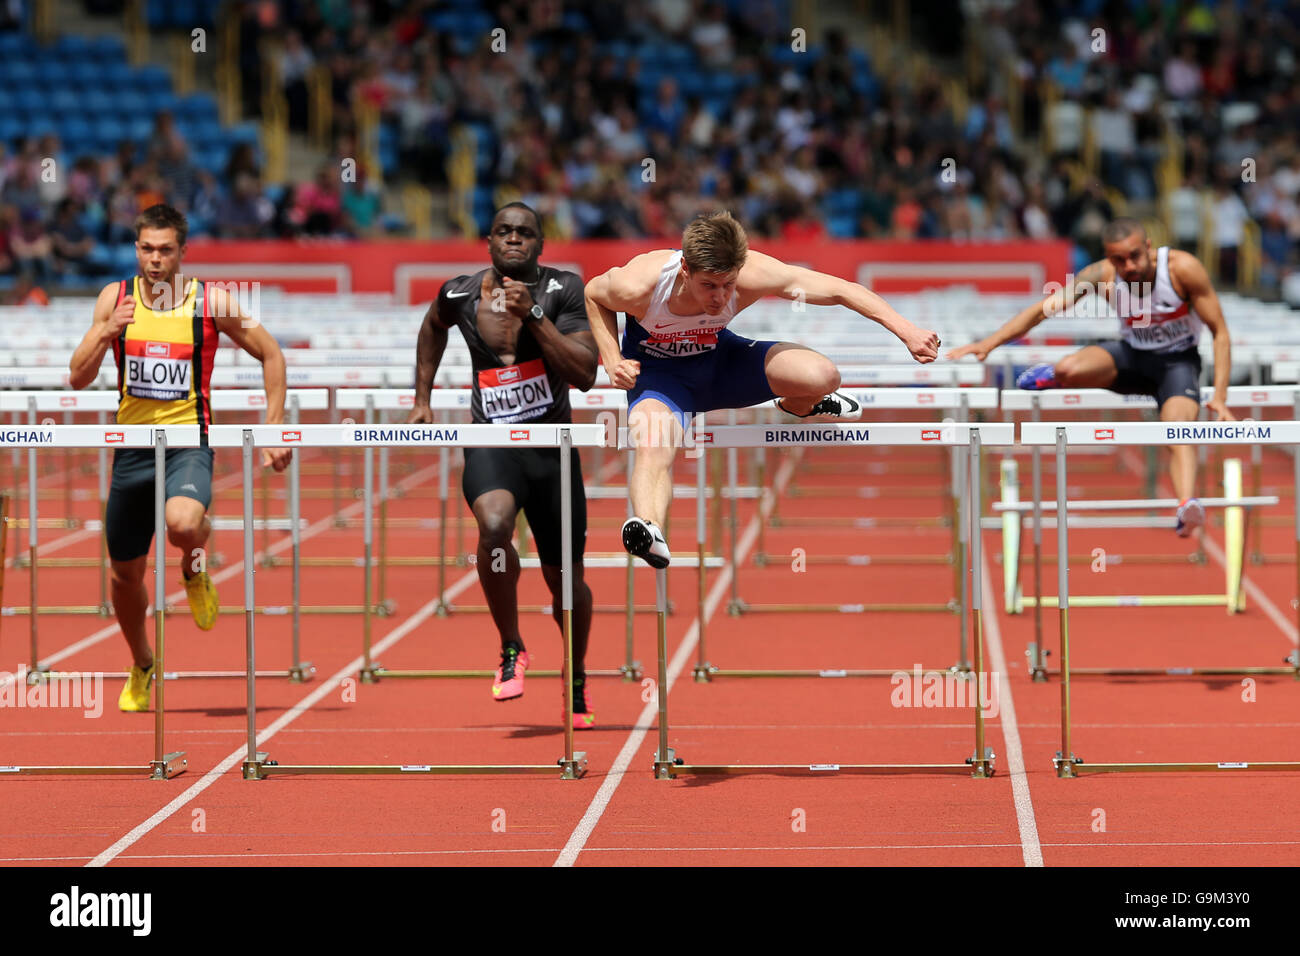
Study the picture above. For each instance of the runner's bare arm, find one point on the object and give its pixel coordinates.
(428, 356)
(764, 275)
(621, 289)
(1091, 279)
(1198, 291)
(573, 354)
(252, 337)
(105, 325)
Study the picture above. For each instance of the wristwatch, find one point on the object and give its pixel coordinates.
(535, 313)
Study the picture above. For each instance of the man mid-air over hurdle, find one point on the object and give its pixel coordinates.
(528, 341)
(678, 357)
(163, 330)
(1162, 302)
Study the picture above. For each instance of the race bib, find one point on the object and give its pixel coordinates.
(158, 370)
(678, 344)
(515, 393)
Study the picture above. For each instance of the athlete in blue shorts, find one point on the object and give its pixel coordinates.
(678, 357)
(1163, 299)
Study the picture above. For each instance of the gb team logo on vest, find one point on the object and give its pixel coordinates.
(158, 370)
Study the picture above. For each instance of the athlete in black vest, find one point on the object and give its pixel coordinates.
(529, 340)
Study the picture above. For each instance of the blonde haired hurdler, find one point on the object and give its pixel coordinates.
(678, 357)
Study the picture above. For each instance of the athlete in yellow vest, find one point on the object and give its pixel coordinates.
(163, 330)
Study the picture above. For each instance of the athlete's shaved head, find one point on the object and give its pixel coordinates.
(526, 208)
(714, 243)
(1120, 229)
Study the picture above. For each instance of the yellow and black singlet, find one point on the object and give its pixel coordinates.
(164, 361)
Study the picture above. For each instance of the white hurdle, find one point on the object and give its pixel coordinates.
(667, 765)
(163, 765)
(257, 765)
(1061, 435)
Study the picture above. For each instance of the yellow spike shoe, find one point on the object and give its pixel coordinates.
(135, 695)
(202, 595)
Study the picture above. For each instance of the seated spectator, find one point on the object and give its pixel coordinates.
(27, 292)
(361, 205)
(318, 205)
(32, 247)
(72, 243)
(246, 214)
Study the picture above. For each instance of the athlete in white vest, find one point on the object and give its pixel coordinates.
(678, 357)
(1163, 301)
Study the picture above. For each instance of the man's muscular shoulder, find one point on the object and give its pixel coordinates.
(631, 286)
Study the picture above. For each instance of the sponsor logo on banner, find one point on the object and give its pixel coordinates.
(1259, 396)
(704, 438)
(256, 399)
(519, 434)
(1071, 399)
(406, 401)
(290, 436)
(351, 374)
(1103, 434)
(925, 398)
(68, 401)
(930, 434)
(114, 438)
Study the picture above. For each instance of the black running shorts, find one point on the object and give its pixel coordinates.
(129, 521)
(532, 475)
(1164, 375)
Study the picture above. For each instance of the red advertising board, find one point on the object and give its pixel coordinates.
(413, 271)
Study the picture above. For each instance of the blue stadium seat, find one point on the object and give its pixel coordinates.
(109, 129)
(109, 49)
(13, 44)
(72, 47)
(83, 73)
(160, 101)
(75, 131)
(248, 132)
(138, 127)
(116, 76)
(152, 78)
(65, 102)
(199, 106)
(842, 227)
(49, 73)
(20, 73)
(11, 127)
(96, 103)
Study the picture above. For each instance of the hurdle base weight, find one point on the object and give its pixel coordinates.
(172, 765)
(664, 766)
(1065, 766)
(982, 769)
(371, 674)
(37, 673)
(1037, 664)
(302, 673)
(703, 673)
(631, 671)
(573, 769)
(252, 769)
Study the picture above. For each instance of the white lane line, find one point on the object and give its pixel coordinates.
(1255, 592)
(288, 717)
(645, 721)
(1030, 846)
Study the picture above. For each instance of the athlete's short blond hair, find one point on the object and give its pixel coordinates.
(714, 243)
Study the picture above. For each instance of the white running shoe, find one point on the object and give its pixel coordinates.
(836, 405)
(644, 540)
(1191, 515)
